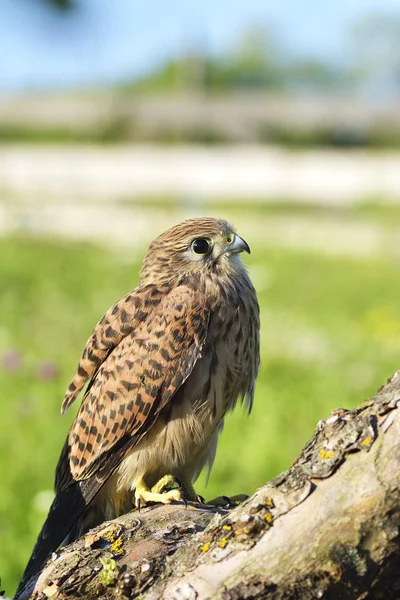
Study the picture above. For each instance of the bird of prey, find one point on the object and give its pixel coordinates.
(164, 365)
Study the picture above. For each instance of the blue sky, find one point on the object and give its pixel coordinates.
(106, 40)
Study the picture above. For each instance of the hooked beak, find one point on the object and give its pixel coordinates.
(238, 245)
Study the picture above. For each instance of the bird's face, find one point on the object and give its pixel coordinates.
(203, 245)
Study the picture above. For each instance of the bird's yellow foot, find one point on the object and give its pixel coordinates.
(228, 501)
(186, 488)
(143, 495)
(168, 489)
(166, 483)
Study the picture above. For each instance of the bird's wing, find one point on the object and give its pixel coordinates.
(138, 376)
(119, 321)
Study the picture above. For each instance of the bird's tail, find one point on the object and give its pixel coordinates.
(67, 508)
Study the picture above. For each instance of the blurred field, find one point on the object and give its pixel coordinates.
(330, 337)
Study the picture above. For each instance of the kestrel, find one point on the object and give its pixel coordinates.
(164, 365)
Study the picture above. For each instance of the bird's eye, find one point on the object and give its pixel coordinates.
(230, 238)
(200, 246)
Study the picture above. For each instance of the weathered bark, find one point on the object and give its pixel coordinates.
(327, 528)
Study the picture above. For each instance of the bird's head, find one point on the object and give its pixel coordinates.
(203, 245)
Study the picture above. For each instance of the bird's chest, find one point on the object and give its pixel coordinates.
(228, 356)
(184, 437)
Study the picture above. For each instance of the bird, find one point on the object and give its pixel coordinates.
(162, 368)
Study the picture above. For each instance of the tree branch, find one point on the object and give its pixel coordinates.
(326, 528)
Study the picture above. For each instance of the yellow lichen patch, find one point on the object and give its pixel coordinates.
(222, 542)
(367, 442)
(117, 548)
(268, 517)
(110, 534)
(205, 547)
(326, 454)
(269, 502)
(227, 527)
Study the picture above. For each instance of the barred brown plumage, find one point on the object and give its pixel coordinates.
(165, 364)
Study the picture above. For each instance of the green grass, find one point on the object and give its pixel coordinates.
(330, 337)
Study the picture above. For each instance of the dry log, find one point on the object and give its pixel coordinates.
(326, 528)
